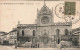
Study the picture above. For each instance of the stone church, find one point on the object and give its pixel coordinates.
(45, 32)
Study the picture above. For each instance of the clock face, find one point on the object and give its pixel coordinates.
(45, 19)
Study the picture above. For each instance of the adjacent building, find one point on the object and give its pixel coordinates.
(13, 36)
(5, 39)
(76, 37)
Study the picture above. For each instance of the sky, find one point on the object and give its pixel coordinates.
(26, 13)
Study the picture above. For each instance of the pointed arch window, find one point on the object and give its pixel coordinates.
(33, 32)
(57, 31)
(22, 32)
(66, 31)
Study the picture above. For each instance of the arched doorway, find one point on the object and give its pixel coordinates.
(45, 38)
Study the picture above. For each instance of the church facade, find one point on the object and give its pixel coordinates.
(45, 32)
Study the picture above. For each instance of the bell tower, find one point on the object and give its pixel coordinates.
(44, 21)
(44, 16)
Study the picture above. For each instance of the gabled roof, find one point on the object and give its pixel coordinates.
(76, 31)
(45, 9)
(2, 32)
(13, 30)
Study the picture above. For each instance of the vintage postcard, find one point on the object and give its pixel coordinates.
(39, 25)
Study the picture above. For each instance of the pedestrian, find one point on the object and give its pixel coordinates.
(38, 45)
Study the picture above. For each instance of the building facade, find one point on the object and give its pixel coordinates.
(13, 36)
(1, 35)
(5, 39)
(45, 32)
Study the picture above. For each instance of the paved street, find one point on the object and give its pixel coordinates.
(12, 48)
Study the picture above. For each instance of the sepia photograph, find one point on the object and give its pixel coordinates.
(39, 25)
